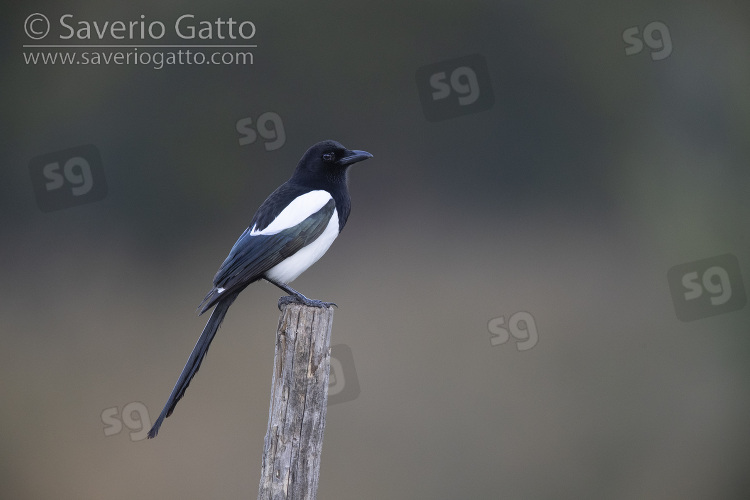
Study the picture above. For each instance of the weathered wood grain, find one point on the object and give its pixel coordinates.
(299, 396)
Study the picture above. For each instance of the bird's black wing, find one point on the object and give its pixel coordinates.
(253, 255)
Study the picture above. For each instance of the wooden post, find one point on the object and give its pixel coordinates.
(299, 396)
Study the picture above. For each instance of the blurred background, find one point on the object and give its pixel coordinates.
(541, 286)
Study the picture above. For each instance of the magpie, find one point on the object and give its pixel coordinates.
(291, 230)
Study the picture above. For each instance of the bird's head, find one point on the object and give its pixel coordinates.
(329, 160)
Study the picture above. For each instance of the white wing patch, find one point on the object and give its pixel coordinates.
(298, 210)
(291, 267)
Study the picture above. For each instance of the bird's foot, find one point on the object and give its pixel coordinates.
(291, 299)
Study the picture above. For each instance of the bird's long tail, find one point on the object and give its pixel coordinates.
(195, 359)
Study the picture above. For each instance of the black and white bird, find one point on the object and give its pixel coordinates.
(291, 230)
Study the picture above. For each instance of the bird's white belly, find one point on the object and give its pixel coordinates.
(290, 268)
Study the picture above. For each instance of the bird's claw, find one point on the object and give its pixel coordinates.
(290, 299)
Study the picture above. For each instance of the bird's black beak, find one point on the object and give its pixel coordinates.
(353, 156)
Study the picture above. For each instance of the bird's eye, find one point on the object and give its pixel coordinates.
(329, 157)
